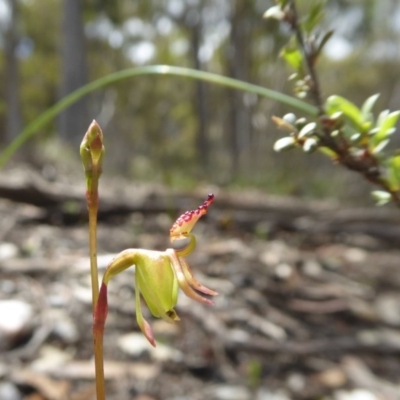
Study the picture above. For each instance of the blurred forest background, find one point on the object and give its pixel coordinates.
(174, 130)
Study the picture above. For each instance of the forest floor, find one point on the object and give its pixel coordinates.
(301, 313)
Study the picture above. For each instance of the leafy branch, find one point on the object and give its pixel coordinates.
(350, 136)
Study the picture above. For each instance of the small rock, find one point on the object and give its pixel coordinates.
(332, 378)
(63, 326)
(355, 255)
(312, 268)
(228, 392)
(135, 344)
(388, 308)
(283, 271)
(9, 391)
(4, 369)
(333, 263)
(238, 335)
(8, 250)
(391, 337)
(369, 337)
(229, 246)
(266, 394)
(83, 294)
(363, 309)
(16, 321)
(276, 252)
(296, 382)
(59, 295)
(50, 358)
(7, 286)
(356, 394)
(82, 264)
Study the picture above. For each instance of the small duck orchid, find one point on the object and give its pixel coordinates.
(159, 275)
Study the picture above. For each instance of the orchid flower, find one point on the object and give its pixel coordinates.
(159, 275)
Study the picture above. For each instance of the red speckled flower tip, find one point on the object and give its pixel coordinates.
(185, 223)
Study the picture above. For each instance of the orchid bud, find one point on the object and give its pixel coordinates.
(92, 148)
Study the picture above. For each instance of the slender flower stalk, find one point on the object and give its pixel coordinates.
(92, 154)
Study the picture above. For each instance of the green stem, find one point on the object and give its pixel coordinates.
(93, 210)
(91, 151)
(51, 112)
(99, 363)
(98, 328)
(99, 320)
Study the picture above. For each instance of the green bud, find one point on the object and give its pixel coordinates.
(310, 145)
(275, 12)
(92, 147)
(307, 130)
(290, 118)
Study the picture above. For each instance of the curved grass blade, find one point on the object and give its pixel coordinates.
(73, 97)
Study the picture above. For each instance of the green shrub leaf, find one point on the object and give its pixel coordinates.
(350, 111)
(393, 166)
(366, 109)
(284, 143)
(387, 125)
(314, 17)
(293, 56)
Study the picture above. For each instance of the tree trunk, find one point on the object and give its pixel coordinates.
(74, 121)
(239, 60)
(201, 108)
(13, 126)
